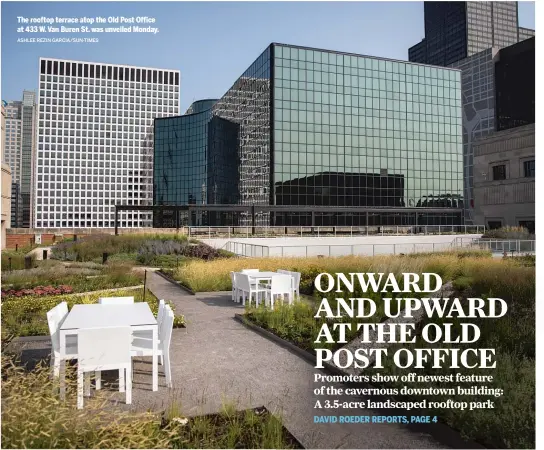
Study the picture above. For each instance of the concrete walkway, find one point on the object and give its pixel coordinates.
(216, 360)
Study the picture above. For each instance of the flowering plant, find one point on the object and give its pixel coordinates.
(38, 291)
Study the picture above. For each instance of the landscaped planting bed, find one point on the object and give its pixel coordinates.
(33, 417)
(511, 423)
(27, 316)
(159, 250)
(201, 276)
(79, 277)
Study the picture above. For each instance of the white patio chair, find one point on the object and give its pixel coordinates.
(234, 289)
(280, 285)
(55, 317)
(148, 334)
(296, 279)
(113, 301)
(243, 283)
(249, 270)
(144, 347)
(116, 300)
(104, 349)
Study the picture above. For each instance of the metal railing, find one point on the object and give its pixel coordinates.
(324, 231)
(256, 251)
(331, 250)
(515, 246)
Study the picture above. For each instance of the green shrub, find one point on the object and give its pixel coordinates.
(81, 279)
(33, 417)
(511, 423)
(462, 283)
(17, 260)
(520, 233)
(26, 316)
(92, 247)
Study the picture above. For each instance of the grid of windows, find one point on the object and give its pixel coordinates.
(95, 141)
(525, 33)
(358, 131)
(246, 107)
(20, 141)
(457, 30)
(314, 127)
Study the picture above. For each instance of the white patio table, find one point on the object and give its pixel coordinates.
(262, 276)
(138, 316)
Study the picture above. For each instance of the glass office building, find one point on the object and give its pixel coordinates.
(309, 127)
(180, 159)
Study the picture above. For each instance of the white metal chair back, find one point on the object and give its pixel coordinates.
(249, 270)
(160, 314)
(165, 333)
(55, 316)
(105, 348)
(116, 300)
(235, 287)
(295, 276)
(281, 284)
(242, 282)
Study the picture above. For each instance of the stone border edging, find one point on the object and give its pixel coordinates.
(177, 283)
(333, 370)
(30, 339)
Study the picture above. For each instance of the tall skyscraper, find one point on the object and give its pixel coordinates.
(28, 152)
(6, 183)
(20, 151)
(95, 141)
(457, 30)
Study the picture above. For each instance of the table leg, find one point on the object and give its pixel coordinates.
(155, 359)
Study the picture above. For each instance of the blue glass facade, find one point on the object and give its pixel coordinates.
(309, 127)
(180, 160)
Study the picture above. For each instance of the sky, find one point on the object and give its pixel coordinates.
(211, 43)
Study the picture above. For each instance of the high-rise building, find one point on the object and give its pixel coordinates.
(6, 184)
(458, 30)
(28, 155)
(515, 85)
(20, 141)
(308, 127)
(95, 141)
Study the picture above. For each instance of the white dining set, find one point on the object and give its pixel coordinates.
(250, 284)
(107, 336)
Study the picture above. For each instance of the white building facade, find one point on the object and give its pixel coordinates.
(95, 141)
